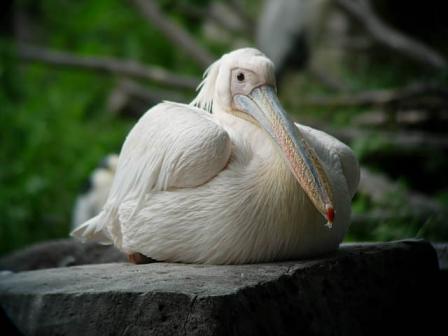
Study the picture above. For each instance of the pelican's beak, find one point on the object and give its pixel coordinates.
(263, 105)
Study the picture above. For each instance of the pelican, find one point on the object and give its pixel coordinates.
(91, 201)
(242, 184)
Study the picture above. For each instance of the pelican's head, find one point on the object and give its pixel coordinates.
(242, 83)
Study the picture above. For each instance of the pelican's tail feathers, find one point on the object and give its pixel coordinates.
(94, 229)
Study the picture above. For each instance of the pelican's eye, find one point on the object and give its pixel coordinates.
(240, 77)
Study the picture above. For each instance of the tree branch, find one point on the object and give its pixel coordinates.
(107, 65)
(400, 139)
(391, 38)
(208, 13)
(149, 94)
(379, 97)
(380, 188)
(327, 80)
(132, 99)
(178, 36)
(435, 116)
(245, 18)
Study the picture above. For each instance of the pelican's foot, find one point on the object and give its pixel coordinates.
(138, 258)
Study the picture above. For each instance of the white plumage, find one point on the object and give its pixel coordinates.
(91, 201)
(216, 188)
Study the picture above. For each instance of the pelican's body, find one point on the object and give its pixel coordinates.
(215, 188)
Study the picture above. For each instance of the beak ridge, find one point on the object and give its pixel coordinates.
(263, 105)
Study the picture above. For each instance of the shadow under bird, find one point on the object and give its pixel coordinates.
(241, 184)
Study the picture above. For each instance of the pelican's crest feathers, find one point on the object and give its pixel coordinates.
(206, 88)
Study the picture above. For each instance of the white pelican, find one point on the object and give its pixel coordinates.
(243, 184)
(91, 200)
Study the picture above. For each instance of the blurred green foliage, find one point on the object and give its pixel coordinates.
(54, 125)
(50, 142)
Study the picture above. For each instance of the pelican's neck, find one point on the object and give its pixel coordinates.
(243, 129)
(245, 133)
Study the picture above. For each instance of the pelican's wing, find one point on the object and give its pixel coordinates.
(171, 146)
(335, 152)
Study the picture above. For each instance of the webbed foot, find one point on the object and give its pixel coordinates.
(138, 258)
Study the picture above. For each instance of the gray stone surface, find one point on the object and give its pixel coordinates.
(59, 253)
(361, 289)
(442, 255)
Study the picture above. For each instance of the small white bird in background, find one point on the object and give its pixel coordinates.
(243, 184)
(91, 200)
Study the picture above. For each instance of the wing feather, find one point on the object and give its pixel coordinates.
(336, 152)
(171, 146)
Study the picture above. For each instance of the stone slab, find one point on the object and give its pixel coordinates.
(360, 289)
(59, 253)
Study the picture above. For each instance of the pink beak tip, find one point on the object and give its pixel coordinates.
(330, 215)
